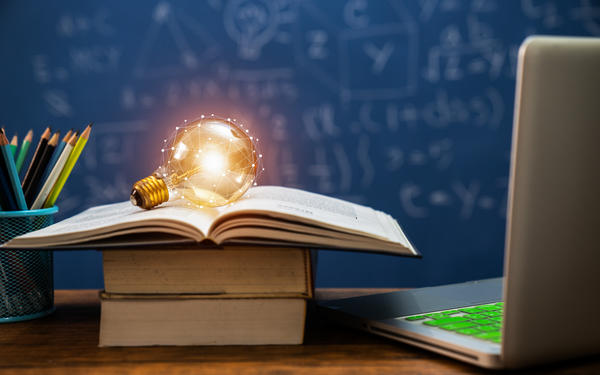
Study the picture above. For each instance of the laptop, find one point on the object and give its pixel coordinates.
(546, 307)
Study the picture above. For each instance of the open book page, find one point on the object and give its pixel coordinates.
(311, 208)
(269, 214)
(114, 219)
(250, 226)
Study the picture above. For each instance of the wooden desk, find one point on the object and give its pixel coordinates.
(66, 342)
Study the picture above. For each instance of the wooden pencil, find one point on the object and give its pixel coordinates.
(31, 190)
(55, 173)
(64, 174)
(10, 171)
(35, 160)
(55, 155)
(6, 197)
(23, 150)
(14, 142)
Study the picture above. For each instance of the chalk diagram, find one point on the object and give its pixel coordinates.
(337, 56)
(252, 24)
(457, 57)
(546, 12)
(589, 15)
(418, 201)
(193, 44)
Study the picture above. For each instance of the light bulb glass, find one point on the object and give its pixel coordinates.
(210, 162)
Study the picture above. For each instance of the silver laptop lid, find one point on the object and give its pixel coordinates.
(553, 230)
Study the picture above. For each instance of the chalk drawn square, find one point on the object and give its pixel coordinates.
(378, 63)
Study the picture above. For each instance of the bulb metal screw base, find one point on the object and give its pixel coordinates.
(149, 192)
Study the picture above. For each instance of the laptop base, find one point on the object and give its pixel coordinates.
(382, 314)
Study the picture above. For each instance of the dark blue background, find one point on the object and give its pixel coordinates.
(405, 106)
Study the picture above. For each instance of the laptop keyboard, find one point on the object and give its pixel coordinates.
(482, 321)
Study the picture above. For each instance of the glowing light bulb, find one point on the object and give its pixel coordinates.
(211, 162)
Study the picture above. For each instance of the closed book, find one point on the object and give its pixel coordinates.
(184, 320)
(233, 271)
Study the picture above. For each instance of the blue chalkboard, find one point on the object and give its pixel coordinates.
(405, 106)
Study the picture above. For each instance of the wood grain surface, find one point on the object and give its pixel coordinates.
(67, 343)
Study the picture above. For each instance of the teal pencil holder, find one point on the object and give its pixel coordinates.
(26, 278)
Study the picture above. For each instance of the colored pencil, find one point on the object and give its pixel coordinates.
(56, 154)
(32, 189)
(13, 145)
(36, 158)
(23, 150)
(55, 173)
(6, 198)
(8, 162)
(64, 174)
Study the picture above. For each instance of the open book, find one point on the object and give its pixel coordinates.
(265, 215)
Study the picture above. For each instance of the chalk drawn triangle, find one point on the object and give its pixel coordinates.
(174, 44)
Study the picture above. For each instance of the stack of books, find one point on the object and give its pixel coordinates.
(229, 296)
(167, 284)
